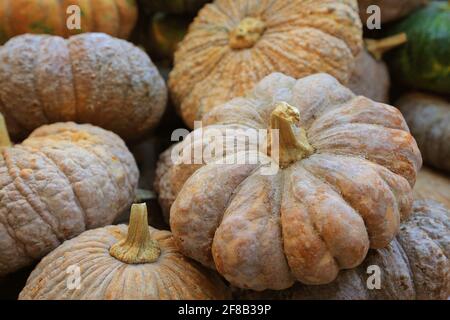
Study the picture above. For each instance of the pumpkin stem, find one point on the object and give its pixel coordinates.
(292, 143)
(247, 33)
(5, 141)
(138, 247)
(379, 47)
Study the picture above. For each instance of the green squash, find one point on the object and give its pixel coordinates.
(424, 61)
(174, 6)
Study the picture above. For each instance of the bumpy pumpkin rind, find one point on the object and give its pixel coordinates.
(64, 179)
(233, 44)
(428, 117)
(414, 266)
(114, 17)
(90, 78)
(432, 185)
(315, 216)
(104, 277)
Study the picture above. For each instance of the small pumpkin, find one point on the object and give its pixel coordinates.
(118, 262)
(414, 266)
(346, 167)
(89, 78)
(424, 61)
(389, 10)
(173, 6)
(114, 17)
(428, 117)
(432, 185)
(231, 45)
(64, 179)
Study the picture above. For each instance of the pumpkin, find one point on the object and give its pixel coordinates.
(432, 185)
(414, 266)
(114, 17)
(173, 6)
(302, 206)
(423, 62)
(89, 78)
(123, 262)
(63, 179)
(389, 10)
(370, 78)
(231, 45)
(428, 118)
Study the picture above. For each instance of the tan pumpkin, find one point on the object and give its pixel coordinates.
(389, 10)
(346, 167)
(232, 44)
(114, 17)
(89, 78)
(118, 263)
(64, 179)
(428, 117)
(415, 265)
(432, 185)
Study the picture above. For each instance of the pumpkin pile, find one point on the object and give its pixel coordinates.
(301, 133)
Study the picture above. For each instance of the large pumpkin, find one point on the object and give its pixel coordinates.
(432, 185)
(114, 17)
(424, 61)
(389, 10)
(232, 44)
(118, 262)
(428, 117)
(90, 78)
(414, 266)
(65, 178)
(340, 183)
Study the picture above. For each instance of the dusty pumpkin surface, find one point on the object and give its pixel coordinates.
(415, 265)
(432, 185)
(233, 44)
(390, 10)
(50, 17)
(65, 178)
(347, 167)
(121, 262)
(89, 78)
(428, 118)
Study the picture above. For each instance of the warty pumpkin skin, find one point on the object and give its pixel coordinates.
(233, 44)
(428, 118)
(390, 10)
(64, 179)
(88, 78)
(123, 262)
(347, 167)
(114, 17)
(414, 266)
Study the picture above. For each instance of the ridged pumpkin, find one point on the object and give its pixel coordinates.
(415, 266)
(432, 185)
(424, 61)
(118, 262)
(64, 179)
(346, 167)
(89, 78)
(428, 117)
(114, 17)
(232, 44)
(390, 10)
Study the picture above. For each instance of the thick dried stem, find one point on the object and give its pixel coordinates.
(247, 33)
(289, 140)
(5, 141)
(379, 47)
(138, 247)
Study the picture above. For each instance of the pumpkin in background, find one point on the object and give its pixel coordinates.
(64, 179)
(370, 78)
(424, 61)
(428, 117)
(88, 78)
(123, 262)
(414, 266)
(114, 17)
(173, 6)
(432, 185)
(345, 169)
(231, 45)
(390, 10)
